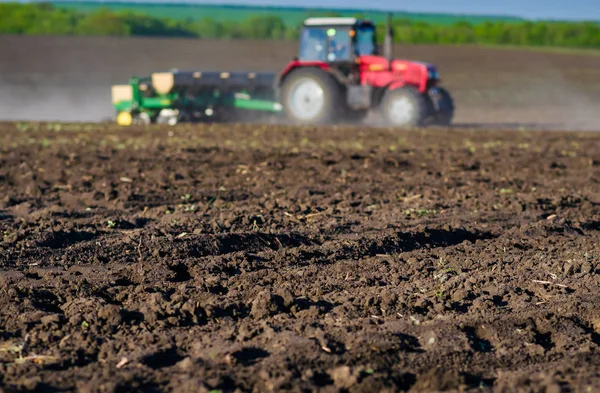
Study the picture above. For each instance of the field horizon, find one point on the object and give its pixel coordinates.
(290, 14)
(244, 22)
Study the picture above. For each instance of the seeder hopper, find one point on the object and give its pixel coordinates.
(338, 76)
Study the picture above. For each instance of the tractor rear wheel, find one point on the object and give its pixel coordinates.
(404, 107)
(311, 96)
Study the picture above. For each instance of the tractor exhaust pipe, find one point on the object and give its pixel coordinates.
(389, 41)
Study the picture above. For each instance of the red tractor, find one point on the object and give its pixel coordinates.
(340, 75)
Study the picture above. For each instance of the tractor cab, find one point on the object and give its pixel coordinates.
(337, 40)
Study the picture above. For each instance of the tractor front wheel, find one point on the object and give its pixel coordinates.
(404, 107)
(443, 106)
(311, 96)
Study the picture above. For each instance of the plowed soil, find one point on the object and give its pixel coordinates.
(276, 259)
(69, 78)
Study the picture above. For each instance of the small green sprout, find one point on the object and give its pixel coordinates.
(419, 212)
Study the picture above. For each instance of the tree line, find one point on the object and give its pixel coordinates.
(45, 19)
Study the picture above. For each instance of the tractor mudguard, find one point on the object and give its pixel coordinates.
(395, 85)
(400, 84)
(289, 69)
(293, 65)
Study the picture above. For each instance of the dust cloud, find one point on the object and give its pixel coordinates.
(576, 105)
(53, 102)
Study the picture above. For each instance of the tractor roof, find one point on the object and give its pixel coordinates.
(330, 21)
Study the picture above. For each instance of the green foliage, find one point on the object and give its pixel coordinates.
(46, 18)
(543, 33)
(102, 23)
(262, 27)
(142, 25)
(291, 16)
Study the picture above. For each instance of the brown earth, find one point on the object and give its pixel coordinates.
(264, 258)
(69, 78)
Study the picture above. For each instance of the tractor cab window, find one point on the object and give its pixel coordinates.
(327, 44)
(340, 44)
(365, 40)
(313, 44)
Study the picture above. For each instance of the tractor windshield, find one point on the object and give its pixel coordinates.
(365, 40)
(340, 44)
(313, 44)
(327, 44)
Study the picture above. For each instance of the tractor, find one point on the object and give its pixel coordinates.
(341, 74)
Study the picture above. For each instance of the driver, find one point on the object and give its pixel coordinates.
(340, 47)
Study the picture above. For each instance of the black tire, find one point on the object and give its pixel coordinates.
(330, 110)
(442, 106)
(413, 99)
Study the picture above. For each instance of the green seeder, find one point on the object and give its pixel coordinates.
(188, 96)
